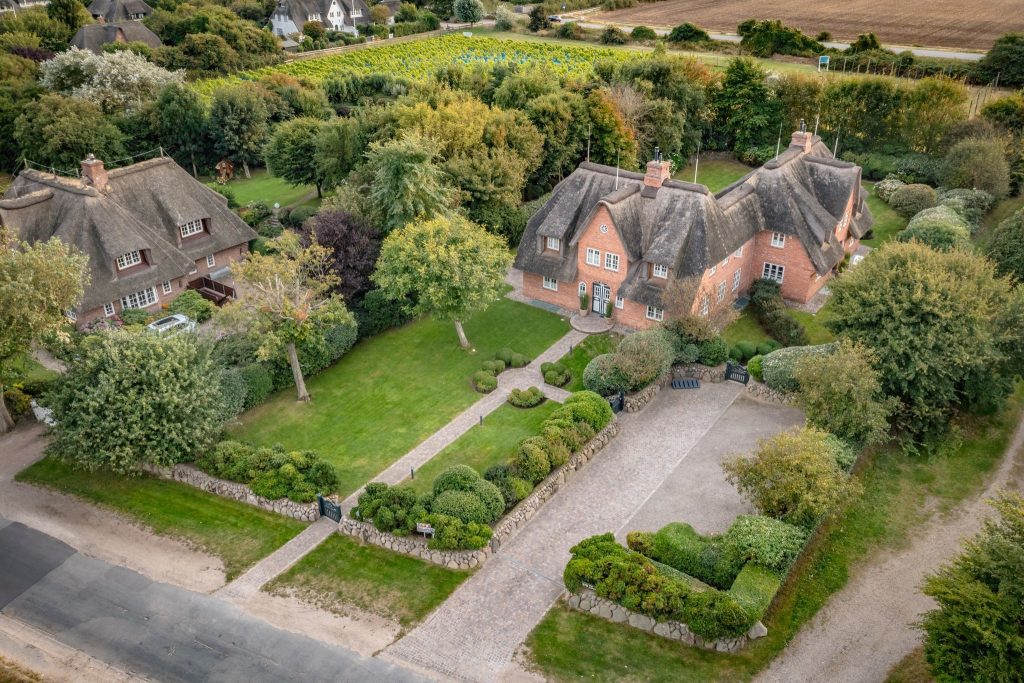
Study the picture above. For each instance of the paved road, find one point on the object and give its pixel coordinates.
(154, 629)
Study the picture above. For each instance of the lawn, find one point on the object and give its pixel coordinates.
(887, 222)
(342, 573)
(745, 328)
(814, 323)
(28, 369)
(237, 533)
(900, 493)
(392, 391)
(716, 174)
(263, 187)
(581, 354)
(492, 443)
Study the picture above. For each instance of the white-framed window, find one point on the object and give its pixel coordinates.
(553, 243)
(659, 271)
(724, 262)
(778, 240)
(593, 256)
(71, 314)
(550, 283)
(108, 309)
(620, 302)
(166, 287)
(191, 228)
(210, 261)
(140, 299)
(356, 13)
(721, 291)
(582, 289)
(773, 271)
(611, 261)
(736, 280)
(655, 313)
(738, 253)
(714, 269)
(705, 304)
(128, 260)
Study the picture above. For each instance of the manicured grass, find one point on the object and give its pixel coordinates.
(263, 187)
(581, 354)
(745, 328)
(900, 493)
(492, 443)
(342, 573)
(716, 174)
(998, 214)
(814, 323)
(392, 391)
(887, 222)
(28, 369)
(239, 534)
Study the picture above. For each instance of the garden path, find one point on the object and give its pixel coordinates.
(474, 635)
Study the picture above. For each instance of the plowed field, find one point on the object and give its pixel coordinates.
(969, 24)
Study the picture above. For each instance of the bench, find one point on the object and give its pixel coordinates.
(425, 529)
(685, 384)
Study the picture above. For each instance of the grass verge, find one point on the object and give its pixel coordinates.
(911, 669)
(491, 443)
(392, 391)
(887, 222)
(900, 493)
(237, 533)
(341, 573)
(576, 360)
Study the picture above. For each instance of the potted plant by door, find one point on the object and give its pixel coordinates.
(608, 309)
(584, 304)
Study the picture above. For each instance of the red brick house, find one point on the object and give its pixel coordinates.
(624, 237)
(150, 231)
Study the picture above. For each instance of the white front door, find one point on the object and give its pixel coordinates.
(601, 295)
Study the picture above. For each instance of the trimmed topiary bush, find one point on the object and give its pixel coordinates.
(644, 357)
(519, 360)
(451, 533)
(526, 398)
(910, 200)
(192, 304)
(602, 375)
(747, 350)
(494, 367)
(484, 382)
(971, 205)
(555, 374)
(766, 347)
(939, 227)
(884, 189)
(455, 478)
(531, 462)
(504, 355)
(585, 406)
(778, 367)
(271, 472)
(462, 505)
(713, 352)
(754, 367)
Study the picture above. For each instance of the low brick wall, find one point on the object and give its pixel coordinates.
(193, 476)
(588, 601)
(704, 373)
(763, 392)
(503, 530)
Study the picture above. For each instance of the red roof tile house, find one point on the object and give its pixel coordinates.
(624, 237)
(150, 231)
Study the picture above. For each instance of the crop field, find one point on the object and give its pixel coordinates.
(418, 59)
(968, 24)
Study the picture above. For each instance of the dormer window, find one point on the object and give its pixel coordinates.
(191, 228)
(659, 271)
(778, 240)
(553, 244)
(132, 258)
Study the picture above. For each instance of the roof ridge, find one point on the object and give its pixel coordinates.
(73, 185)
(684, 185)
(34, 197)
(611, 170)
(138, 166)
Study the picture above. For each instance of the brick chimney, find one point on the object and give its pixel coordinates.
(93, 172)
(658, 171)
(802, 138)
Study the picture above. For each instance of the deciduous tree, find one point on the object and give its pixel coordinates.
(60, 131)
(405, 181)
(451, 267)
(179, 121)
(292, 148)
(238, 124)
(354, 246)
(469, 11)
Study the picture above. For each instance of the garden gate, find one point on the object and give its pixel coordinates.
(328, 508)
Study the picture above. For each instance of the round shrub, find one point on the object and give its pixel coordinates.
(18, 402)
(754, 367)
(518, 360)
(643, 357)
(570, 434)
(490, 496)
(735, 353)
(521, 488)
(258, 384)
(971, 205)
(747, 350)
(778, 366)
(192, 304)
(766, 347)
(531, 461)
(640, 33)
(586, 406)
(455, 478)
(451, 533)
(484, 382)
(614, 36)
(940, 228)
(602, 375)
(557, 449)
(713, 352)
(912, 199)
(462, 505)
(555, 374)
(526, 398)
(504, 355)
(885, 188)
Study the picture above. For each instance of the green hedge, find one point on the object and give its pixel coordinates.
(770, 310)
(526, 398)
(778, 367)
(271, 472)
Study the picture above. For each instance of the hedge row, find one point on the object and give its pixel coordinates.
(770, 310)
(777, 368)
(271, 472)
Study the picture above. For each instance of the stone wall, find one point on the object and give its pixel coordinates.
(588, 601)
(763, 392)
(503, 530)
(636, 402)
(193, 476)
(704, 373)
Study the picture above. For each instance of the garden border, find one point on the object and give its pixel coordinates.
(504, 530)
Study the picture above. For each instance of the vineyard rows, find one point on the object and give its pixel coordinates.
(416, 60)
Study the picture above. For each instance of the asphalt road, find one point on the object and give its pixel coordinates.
(157, 630)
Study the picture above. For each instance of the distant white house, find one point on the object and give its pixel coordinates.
(339, 15)
(18, 5)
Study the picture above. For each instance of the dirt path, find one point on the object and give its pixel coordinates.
(92, 530)
(866, 628)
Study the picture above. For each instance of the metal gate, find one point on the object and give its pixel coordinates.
(328, 508)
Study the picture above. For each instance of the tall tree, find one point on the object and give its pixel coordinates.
(132, 398)
(71, 13)
(290, 153)
(287, 300)
(339, 149)
(747, 109)
(179, 120)
(405, 181)
(38, 283)
(60, 131)
(354, 247)
(238, 124)
(451, 267)
(469, 11)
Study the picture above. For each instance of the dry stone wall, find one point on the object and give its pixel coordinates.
(704, 373)
(193, 476)
(636, 402)
(763, 392)
(503, 530)
(588, 601)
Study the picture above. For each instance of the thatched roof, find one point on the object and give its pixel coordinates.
(93, 37)
(140, 209)
(685, 227)
(119, 10)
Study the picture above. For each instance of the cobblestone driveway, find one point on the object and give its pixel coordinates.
(475, 633)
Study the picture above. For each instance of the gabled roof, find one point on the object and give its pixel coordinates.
(140, 209)
(685, 227)
(118, 10)
(93, 37)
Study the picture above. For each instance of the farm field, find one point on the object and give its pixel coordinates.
(936, 23)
